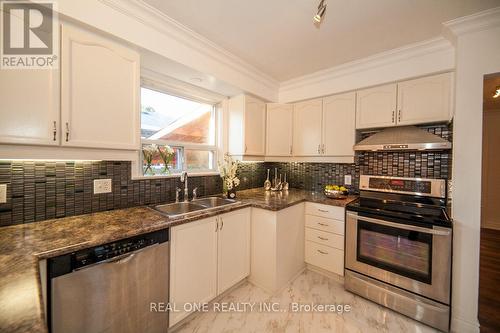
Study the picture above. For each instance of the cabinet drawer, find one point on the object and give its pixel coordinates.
(324, 224)
(325, 257)
(325, 238)
(331, 212)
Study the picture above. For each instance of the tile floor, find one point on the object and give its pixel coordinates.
(309, 287)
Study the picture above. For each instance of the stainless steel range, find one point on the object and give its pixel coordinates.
(398, 247)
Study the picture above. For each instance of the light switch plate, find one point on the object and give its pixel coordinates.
(3, 193)
(347, 180)
(102, 186)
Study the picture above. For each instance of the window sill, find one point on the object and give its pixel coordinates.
(176, 175)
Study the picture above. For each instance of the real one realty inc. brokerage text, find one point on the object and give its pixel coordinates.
(248, 307)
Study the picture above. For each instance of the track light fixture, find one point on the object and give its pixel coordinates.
(321, 11)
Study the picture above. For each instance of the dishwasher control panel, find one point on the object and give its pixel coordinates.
(80, 259)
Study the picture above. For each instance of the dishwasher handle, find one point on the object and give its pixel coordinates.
(120, 259)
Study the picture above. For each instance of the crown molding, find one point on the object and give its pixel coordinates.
(484, 20)
(428, 47)
(153, 18)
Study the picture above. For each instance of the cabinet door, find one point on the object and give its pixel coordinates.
(30, 106)
(339, 128)
(234, 248)
(255, 126)
(279, 129)
(193, 265)
(307, 117)
(425, 100)
(99, 92)
(376, 107)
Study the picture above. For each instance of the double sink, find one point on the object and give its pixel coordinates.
(198, 205)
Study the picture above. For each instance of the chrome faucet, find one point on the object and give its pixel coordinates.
(184, 179)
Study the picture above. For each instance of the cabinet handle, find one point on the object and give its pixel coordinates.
(67, 131)
(216, 224)
(323, 238)
(323, 224)
(319, 149)
(322, 252)
(290, 150)
(322, 210)
(399, 115)
(221, 223)
(55, 131)
(393, 112)
(323, 148)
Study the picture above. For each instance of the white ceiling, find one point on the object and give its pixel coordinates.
(279, 37)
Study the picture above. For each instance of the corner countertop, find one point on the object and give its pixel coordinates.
(275, 201)
(23, 246)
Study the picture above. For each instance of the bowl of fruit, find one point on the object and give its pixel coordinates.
(336, 192)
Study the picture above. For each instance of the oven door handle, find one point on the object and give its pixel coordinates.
(401, 226)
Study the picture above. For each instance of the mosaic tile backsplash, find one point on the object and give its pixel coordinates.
(44, 190)
(39, 191)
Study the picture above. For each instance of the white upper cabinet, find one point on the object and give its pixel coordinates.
(425, 100)
(279, 129)
(376, 107)
(29, 112)
(100, 84)
(307, 117)
(246, 126)
(233, 248)
(419, 101)
(339, 124)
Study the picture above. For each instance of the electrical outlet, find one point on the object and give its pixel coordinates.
(102, 186)
(347, 180)
(3, 193)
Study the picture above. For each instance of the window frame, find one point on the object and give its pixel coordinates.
(166, 89)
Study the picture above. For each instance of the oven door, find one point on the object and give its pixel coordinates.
(408, 256)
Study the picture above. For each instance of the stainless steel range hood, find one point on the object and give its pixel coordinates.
(403, 138)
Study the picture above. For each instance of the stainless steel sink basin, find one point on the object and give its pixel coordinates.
(179, 208)
(213, 202)
(184, 208)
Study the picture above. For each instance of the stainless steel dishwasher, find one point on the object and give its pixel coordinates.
(110, 288)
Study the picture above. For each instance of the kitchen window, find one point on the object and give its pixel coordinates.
(178, 134)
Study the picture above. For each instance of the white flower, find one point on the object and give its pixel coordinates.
(228, 171)
(169, 149)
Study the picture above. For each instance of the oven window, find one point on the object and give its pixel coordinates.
(404, 252)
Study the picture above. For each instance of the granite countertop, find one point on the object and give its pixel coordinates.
(260, 198)
(23, 246)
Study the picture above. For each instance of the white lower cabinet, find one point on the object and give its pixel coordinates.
(324, 237)
(206, 258)
(234, 248)
(325, 257)
(277, 246)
